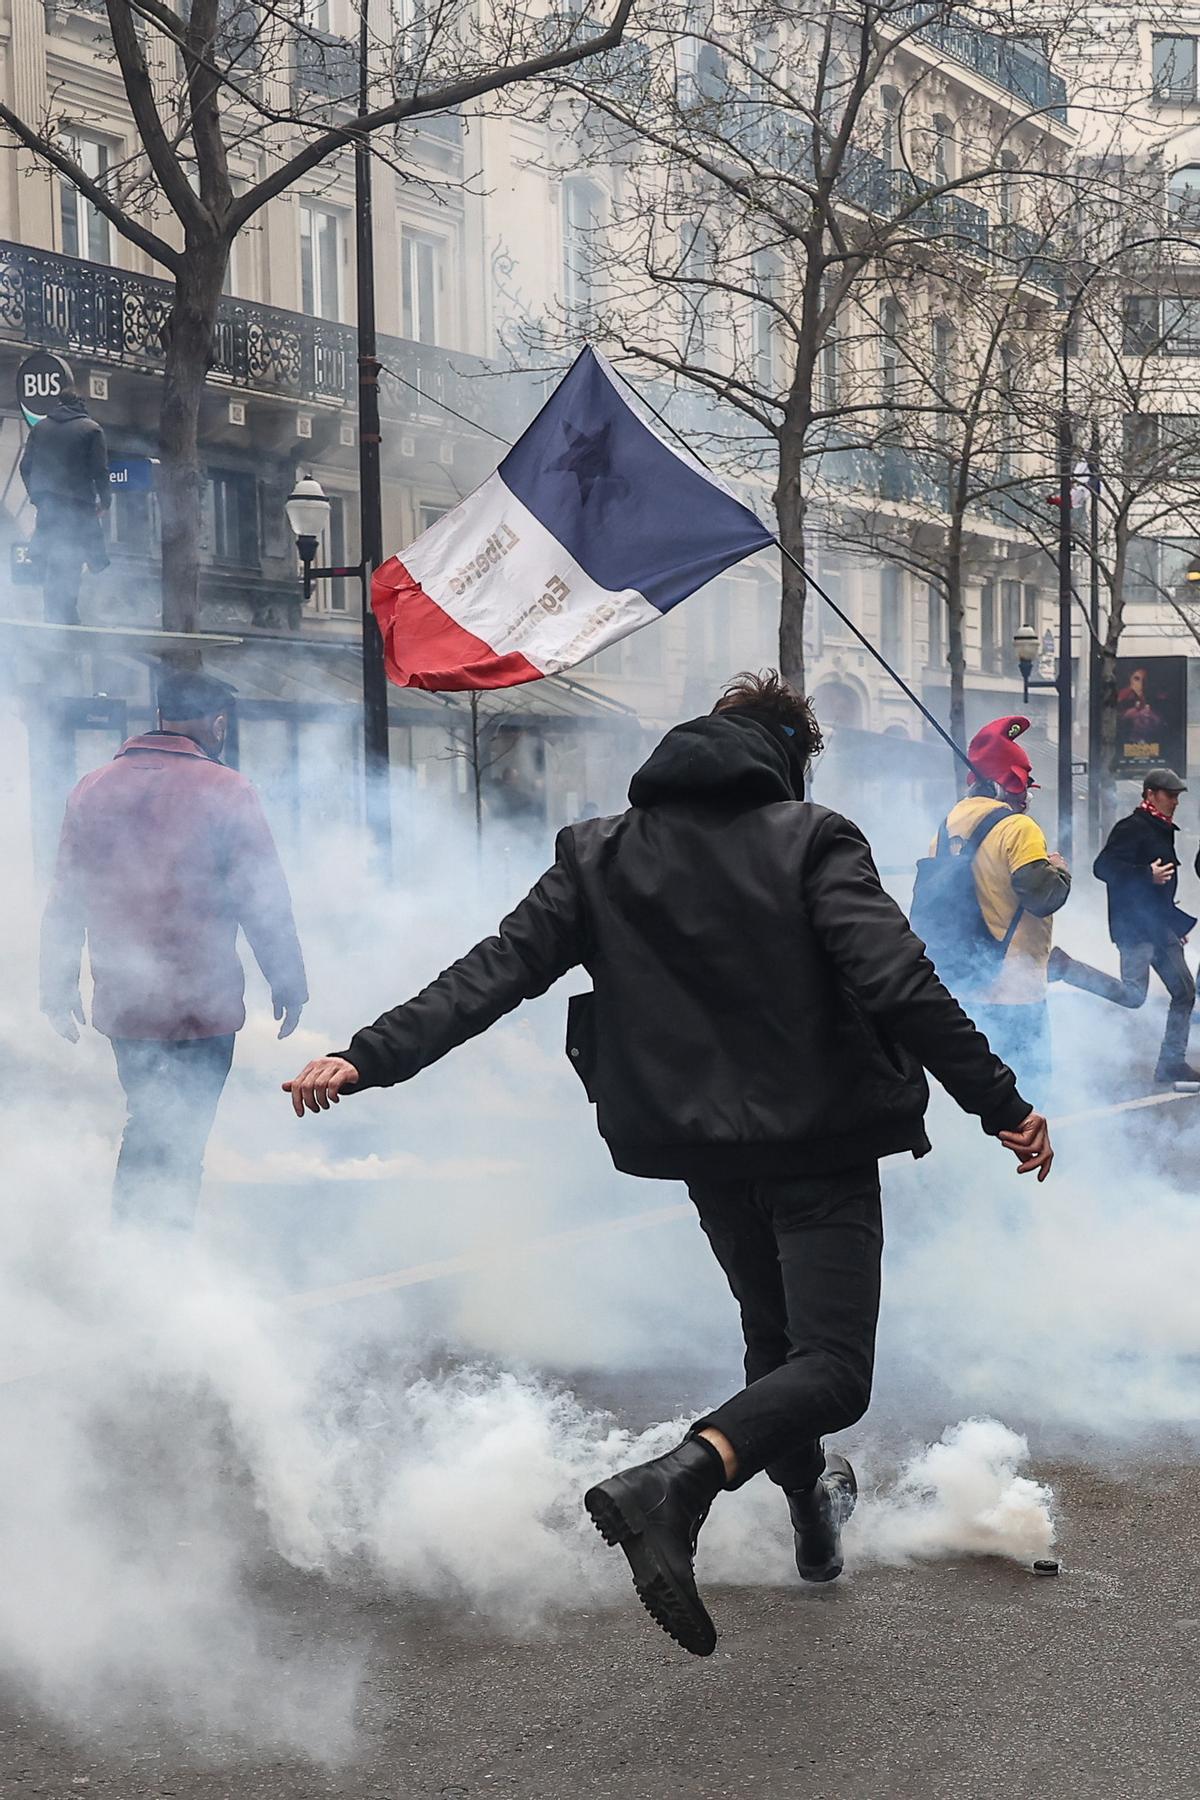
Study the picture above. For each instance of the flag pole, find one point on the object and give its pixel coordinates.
(811, 582)
(884, 664)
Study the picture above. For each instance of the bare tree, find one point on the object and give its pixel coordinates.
(1135, 331)
(971, 424)
(205, 79)
(785, 179)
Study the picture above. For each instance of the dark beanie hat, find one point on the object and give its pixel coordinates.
(191, 694)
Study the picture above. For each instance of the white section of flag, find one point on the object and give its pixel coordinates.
(496, 571)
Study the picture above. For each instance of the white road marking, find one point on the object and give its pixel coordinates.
(663, 1215)
(1120, 1106)
(465, 1265)
(448, 1267)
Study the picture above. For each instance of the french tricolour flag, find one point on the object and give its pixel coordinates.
(592, 526)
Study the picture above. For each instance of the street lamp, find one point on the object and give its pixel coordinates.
(1028, 646)
(308, 509)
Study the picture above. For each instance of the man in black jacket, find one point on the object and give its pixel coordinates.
(1138, 865)
(65, 470)
(759, 1025)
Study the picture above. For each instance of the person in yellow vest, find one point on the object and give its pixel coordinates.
(1019, 884)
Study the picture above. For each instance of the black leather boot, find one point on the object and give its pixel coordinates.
(654, 1513)
(818, 1516)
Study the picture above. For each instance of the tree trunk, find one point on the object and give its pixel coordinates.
(188, 338)
(956, 647)
(790, 517)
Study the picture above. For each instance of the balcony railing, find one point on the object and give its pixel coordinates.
(869, 183)
(61, 303)
(1023, 253)
(1018, 66)
(424, 385)
(55, 302)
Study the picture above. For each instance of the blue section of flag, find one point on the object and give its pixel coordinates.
(631, 512)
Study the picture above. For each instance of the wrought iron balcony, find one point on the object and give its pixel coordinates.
(868, 182)
(61, 303)
(1022, 253)
(1018, 65)
(887, 472)
(424, 385)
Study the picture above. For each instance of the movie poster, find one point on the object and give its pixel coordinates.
(1151, 714)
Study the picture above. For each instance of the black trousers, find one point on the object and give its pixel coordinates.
(802, 1258)
(67, 538)
(171, 1091)
(1169, 964)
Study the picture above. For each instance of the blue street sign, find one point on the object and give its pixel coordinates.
(132, 474)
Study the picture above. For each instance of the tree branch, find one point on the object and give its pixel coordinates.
(204, 91)
(441, 99)
(47, 151)
(139, 91)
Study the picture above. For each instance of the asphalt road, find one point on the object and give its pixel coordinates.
(943, 1681)
(940, 1682)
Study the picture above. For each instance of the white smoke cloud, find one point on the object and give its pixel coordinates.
(170, 1425)
(963, 1495)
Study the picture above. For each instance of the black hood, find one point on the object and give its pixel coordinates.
(726, 759)
(63, 411)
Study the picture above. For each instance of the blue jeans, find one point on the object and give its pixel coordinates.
(1132, 986)
(171, 1091)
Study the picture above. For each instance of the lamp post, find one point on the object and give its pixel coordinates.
(308, 510)
(1028, 646)
(374, 676)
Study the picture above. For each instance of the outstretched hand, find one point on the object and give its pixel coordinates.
(319, 1084)
(1031, 1146)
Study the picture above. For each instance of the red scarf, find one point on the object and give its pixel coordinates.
(1146, 807)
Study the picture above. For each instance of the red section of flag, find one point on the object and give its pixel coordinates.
(423, 647)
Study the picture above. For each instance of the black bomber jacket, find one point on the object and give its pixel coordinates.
(759, 1005)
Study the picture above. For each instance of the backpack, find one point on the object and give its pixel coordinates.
(946, 914)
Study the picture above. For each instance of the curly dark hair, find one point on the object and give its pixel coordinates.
(768, 696)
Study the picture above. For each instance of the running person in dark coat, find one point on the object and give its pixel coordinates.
(759, 1020)
(1138, 865)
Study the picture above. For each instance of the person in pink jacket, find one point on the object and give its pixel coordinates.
(164, 853)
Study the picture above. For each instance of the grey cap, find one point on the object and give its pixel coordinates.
(1165, 780)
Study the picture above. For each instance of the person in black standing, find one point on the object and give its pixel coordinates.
(758, 1023)
(1140, 869)
(65, 470)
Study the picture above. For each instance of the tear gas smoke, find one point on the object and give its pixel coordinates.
(169, 1428)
